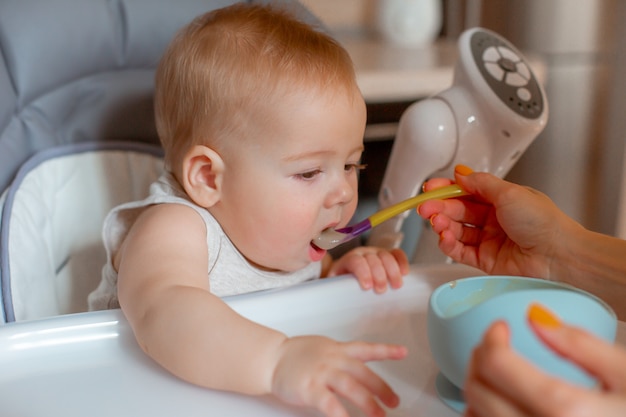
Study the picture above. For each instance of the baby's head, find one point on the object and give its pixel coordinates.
(262, 123)
(227, 70)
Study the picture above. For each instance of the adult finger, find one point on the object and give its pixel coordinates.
(486, 186)
(462, 232)
(462, 209)
(604, 360)
(434, 183)
(484, 401)
(520, 382)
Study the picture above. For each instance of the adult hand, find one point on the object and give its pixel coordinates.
(500, 228)
(501, 383)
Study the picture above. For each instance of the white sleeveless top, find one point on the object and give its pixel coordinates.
(229, 273)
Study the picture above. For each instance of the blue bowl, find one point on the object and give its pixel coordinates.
(460, 312)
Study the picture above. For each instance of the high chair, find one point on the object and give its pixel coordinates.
(77, 136)
(76, 92)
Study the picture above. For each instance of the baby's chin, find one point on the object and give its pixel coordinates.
(315, 254)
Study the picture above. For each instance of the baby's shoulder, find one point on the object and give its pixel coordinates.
(168, 216)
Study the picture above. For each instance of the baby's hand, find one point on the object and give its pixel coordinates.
(373, 267)
(315, 371)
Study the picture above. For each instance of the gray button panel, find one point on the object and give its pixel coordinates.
(506, 73)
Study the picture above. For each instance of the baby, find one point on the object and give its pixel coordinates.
(262, 125)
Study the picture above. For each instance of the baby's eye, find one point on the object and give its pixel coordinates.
(354, 167)
(309, 175)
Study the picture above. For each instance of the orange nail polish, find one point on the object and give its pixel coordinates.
(463, 170)
(431, 219)
(540, 315)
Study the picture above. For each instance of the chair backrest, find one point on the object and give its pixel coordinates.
(79, 71)
(82, 70)
(51, 252)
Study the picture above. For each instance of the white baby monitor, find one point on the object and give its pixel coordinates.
(492, 112)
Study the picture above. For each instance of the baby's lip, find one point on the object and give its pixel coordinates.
(316, 253)
(329, 226)
(317, 248)
(332, 225)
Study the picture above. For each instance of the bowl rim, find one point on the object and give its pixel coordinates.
(556, 284)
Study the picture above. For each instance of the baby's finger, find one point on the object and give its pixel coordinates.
(328, 403)
(402, 260)
(377, 271)
(356, 264)
(392, 269)
(366, 352)
(361, 388)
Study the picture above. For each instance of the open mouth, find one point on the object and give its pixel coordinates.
(317, 248)
(316, 253)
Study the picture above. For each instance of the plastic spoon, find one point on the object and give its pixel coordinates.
(331, 238)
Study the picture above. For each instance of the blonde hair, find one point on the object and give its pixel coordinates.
(231, 60)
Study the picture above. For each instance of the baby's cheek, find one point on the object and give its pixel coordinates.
(295, 228)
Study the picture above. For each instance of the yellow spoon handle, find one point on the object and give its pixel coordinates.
(439, 193)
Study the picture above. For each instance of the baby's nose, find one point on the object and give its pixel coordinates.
(342, 193)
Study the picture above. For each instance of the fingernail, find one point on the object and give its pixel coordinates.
(540, 315)
(431, 219)
(463, 170)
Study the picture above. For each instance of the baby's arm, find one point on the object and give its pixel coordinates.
(163, 291)
(373, 267)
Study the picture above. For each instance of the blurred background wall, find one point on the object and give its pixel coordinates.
(578, 160)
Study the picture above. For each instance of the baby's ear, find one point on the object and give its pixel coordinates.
(202, 175)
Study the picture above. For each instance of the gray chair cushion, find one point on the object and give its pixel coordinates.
(82, 70)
